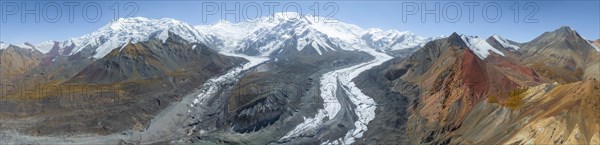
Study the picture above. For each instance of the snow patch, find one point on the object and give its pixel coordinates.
(595, 47)
(589, 42)
(479, 46)
(3, 46)
(25, 46)
(164, 35)
(316, 47)
(505, 43)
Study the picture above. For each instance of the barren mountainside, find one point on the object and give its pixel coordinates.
(518, 98)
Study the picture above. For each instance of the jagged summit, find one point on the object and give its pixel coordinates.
(478, 46)
(561, 38)
(303, 31)
(566, 29)
(455, 39)
(264, 36)
(274, 30)
(131, 30)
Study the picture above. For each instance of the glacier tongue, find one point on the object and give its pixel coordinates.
(211, 85)
(328, 86)
(365, 106)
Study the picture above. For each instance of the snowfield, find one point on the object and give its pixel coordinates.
(479, 46)
(269, 33)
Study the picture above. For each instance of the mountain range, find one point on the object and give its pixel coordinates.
(298, 79)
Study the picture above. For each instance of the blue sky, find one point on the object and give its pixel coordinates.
(57, 22)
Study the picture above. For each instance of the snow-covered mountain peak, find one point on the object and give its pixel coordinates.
(269, 33)
(504, 42)
(260, 36)
(267, 40)
(281, 17)
(377, 34)
(479, 46)
(3, 45)
(132, 30)
(26, 46)
(392, 39)
(386, 32)
(264, 35)
(45, 46)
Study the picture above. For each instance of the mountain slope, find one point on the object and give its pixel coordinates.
(152, 58)
(139, 80)
(563, 48)
(464, 96)
(16, 61)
